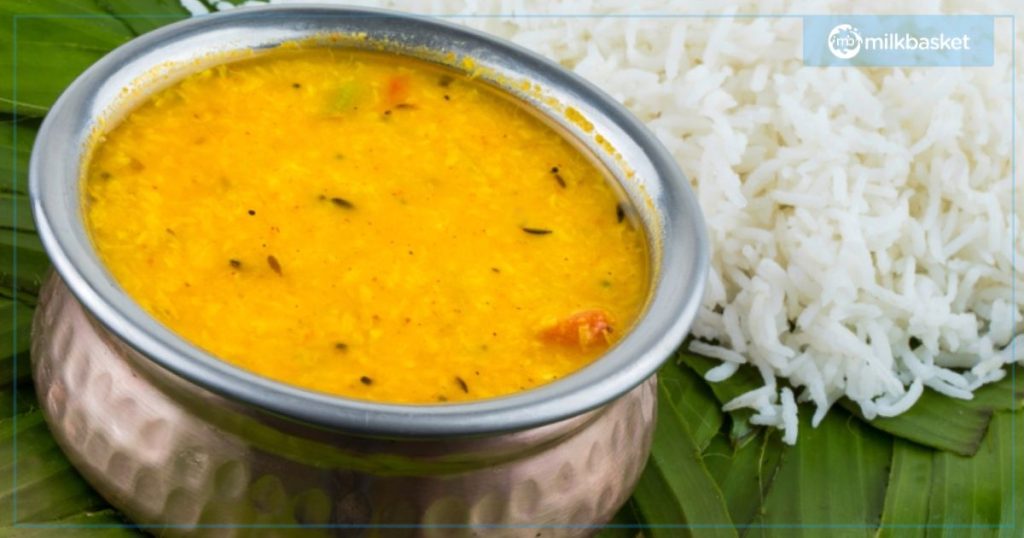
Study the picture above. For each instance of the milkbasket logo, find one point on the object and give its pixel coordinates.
(844, 41)
(893, 40)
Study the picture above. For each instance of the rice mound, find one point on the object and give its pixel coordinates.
(862, 220)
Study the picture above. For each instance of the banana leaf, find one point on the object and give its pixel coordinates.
(832, 482)
(15, 334)
(17, 402)
(976, 496)
(42, 486)
(16, 214)
(16, 139)
(940, 494)
(951, 424)
(696, 404)
(744, 473)
(23, 263)
(50, 42)
(936, 421)
(910, 484)
(675, 488)
(145, 15)
(744, 380)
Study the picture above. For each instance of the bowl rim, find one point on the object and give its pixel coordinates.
(679, 274)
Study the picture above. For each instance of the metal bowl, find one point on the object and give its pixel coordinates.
(174, 436)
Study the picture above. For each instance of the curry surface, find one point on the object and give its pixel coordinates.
(366, 226)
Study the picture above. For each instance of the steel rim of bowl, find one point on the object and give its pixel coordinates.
(675, 294)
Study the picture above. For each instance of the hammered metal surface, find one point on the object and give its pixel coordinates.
(168, 452)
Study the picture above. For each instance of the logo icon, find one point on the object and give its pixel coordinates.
(844, 41)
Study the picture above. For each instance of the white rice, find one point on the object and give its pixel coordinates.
(862, 207)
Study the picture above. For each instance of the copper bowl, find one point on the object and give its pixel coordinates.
(189, 444)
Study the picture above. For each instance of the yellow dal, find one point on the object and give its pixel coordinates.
(360, 224)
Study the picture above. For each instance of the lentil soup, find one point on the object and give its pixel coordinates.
(365, 225)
